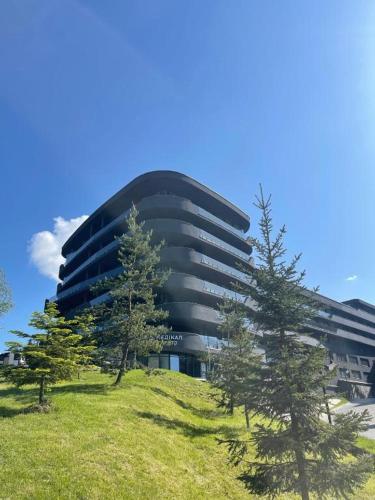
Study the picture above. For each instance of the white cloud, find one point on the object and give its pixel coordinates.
(45, 246)
(353, 277)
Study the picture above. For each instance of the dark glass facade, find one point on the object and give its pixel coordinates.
(178, 362)
(205, 238)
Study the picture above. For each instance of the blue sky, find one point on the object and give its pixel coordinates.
(93, 93)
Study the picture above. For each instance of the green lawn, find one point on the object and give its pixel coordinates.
(152, 438)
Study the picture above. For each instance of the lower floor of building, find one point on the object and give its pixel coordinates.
(193, 365)
(189, 364)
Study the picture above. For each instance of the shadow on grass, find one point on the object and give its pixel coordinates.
(80, 389)
(199, 412)
(29, 395)
(19, 395)
(187, 429)
(24, 396)
(6, 412)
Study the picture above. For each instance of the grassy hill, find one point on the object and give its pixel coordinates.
(152, 438)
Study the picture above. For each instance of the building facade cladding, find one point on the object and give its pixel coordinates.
(205, 242)
(348, 331)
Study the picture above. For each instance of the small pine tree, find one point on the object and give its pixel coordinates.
(52, 354)
(296, 451)
(86, 328)
(235, 366)
(129, 321)
(5, 295)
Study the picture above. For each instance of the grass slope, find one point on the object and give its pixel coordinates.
(152, 438)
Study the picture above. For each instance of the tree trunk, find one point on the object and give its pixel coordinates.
(300, 459)
(122, 367)
(231, 405)
(42, 391)
(302, 475)
(328, 411)
(247, 417)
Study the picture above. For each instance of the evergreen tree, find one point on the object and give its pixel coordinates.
(52, 354)
(129, 321)
(235, 366)
(296, 451)
(5, 295)
(86, 328)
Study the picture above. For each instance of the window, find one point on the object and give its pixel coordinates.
(325, 314)
(212, 342)
(175, 363)
(203, 370)
(343, 373)
(353, 360)
(341, 357)
(356, 375)
(366, 376)
(364, 361)
(164, 361)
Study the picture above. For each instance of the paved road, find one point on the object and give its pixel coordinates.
(359, 406)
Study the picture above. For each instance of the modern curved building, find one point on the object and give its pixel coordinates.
(205, 247)
(205, 244)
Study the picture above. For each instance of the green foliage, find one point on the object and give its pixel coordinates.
(5, 295)
(296, 452)
(235, 366)
(130, 322)
(283, 302)
(52, 354)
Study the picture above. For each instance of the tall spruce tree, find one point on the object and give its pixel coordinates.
(235, 366)
(296, 451)
(129, 321)
(52, 354)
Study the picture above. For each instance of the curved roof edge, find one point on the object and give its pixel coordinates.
(242, 219)
(360, 304)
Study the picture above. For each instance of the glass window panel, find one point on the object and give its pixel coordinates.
(343, 373)
(341, 357)
(175, 363)
(164, 361)
(183, 364)
(353, 360)
(356, 375)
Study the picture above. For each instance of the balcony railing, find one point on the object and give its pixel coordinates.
(123, 216)
(222, 292)
(215, 264)
(83, 285)
(220, 222)
(90, 260)
(225, 246)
